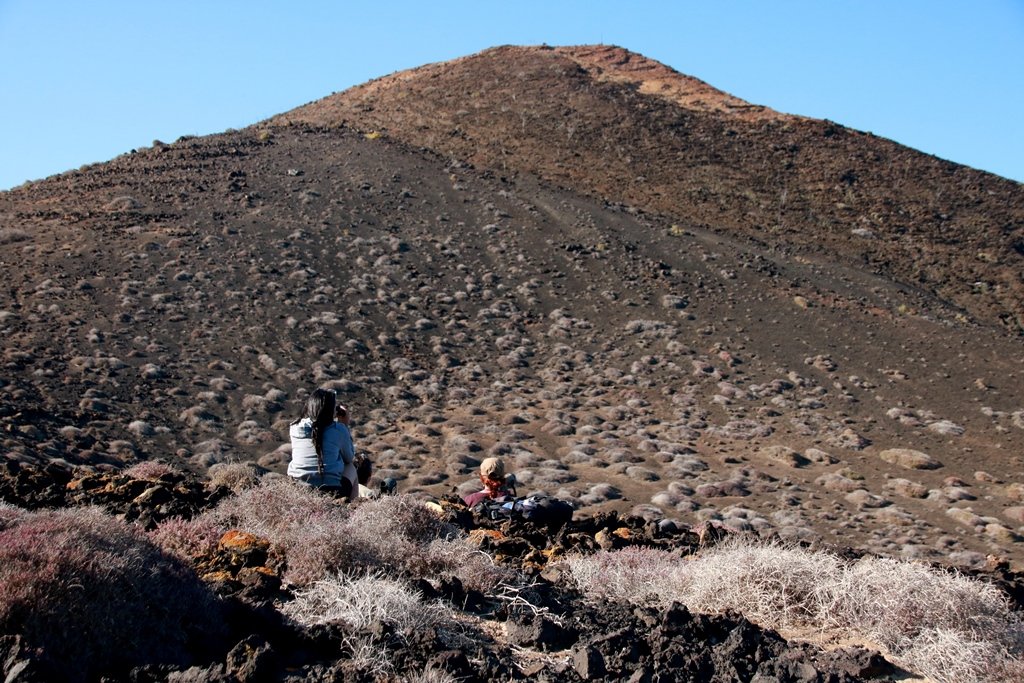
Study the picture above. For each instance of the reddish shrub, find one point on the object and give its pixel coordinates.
(95, 597)
(187, 538)
(9, 514)
(236, 476)
(276, 509)
(304, 523)
(321, 537)
(149, 470)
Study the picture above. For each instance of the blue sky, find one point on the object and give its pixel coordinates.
(85, 81)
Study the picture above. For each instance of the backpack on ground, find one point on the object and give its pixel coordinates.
(543, 510)
(539, 509)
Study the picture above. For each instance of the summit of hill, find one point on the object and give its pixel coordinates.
(617, 125)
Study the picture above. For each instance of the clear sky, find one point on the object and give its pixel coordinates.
(84, 81)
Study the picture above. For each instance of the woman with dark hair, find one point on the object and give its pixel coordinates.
(322, 448)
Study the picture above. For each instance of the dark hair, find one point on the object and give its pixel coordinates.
(320, 409)
(364, 469)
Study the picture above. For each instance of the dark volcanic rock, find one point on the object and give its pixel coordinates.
(147, 502)
(33, 487)
(539, 631)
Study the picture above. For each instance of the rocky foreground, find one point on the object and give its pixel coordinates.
(533, 623)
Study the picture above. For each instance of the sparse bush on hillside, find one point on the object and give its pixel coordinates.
(405, 516)
(277, 508)
(126, 203)
(321, 536)
(394, 531)
(890, 600)
(637, 575)
(9, 514)
(188, 538)
(951, 656)
(431, 675)
(475, 569)
(362, 602)
(306, 524)
(401, 534)
(318, 550)
(948, 627)
(12, 235)
(150, 470)
(773, 585)
(95, 596)
(236, 476)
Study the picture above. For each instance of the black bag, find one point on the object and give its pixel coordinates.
(544, 510)
(495, 510)
(539, 509)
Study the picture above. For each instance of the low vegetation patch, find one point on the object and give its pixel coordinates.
(946, 626)
(321, 537)
(12, 235)
(362, 604)
(382, 587)
(150, 470)
(96, 597)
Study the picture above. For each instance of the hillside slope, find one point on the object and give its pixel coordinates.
(620, 126)
(179, 302)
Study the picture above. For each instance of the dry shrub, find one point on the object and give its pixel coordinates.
(393, 531)
(949, 627)
(95, 596)
(307, 525)
(368, 655)
(891, 601)
(637, 575)
(313, 552)
(774, 585)
(12, 235)
(362, 602)
(403, 535)
(431, 675)
(399, 515)
(475, 569)
(236, 476)
(9, 514)
(276, 509)
(150, 470)
(188, 539)
(321, 536)
(950, 656)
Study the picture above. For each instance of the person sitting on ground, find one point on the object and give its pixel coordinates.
(321, 447)
(496, 484)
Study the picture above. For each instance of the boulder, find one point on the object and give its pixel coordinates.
(784, 455)
(910, 459)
